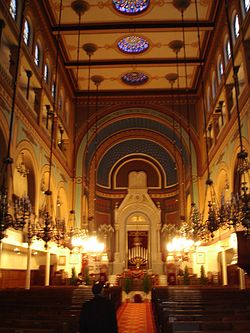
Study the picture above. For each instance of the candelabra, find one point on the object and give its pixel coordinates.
(22, 212)
(6, 219)
(198, 229)
(47, 228)
(213, 221)
(237, 210)
(138, 261)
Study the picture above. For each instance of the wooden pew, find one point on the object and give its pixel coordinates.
(51, 309)
(201, 310)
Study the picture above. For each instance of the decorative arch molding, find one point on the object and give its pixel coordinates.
(119, 173)
(222, 181)
(130, 147)
(137, 123)
(108, 121)
(119, 137)
(44, 178)
(31, 164)
(62, 202)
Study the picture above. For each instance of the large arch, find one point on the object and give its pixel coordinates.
(111, 127)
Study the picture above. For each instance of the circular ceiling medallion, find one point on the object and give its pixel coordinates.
(133, 44)
(131, 6)
(135, 78)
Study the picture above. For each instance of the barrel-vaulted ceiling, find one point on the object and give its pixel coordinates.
(134, 41)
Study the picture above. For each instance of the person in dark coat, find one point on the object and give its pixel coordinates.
(98, 315)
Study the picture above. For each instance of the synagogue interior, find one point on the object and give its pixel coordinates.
(124, 144)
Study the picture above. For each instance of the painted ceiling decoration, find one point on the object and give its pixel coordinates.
(158, 22)
(132, 147)
(135, 78)
(131, 6)
(133, 44)
(134, 122)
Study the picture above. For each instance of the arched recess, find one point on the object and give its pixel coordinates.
(131, 147)
(137, 162)
(44, 186)
(62, 207)
(223, 184)
(26, 155)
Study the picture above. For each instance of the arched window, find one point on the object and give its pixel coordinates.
(46, 73)
(245, 6)
(236, 27)
(214, 85)
(220, 69)
(37, 56)
(26, 32)
(227, 51)
(13, 9)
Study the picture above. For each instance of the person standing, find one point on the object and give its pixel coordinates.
(98, 315)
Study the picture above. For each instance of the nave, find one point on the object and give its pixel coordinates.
(177, 309)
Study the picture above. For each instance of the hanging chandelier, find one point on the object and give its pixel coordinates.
(76, 235)
(6, 218)
(46, 227)
(236, 211)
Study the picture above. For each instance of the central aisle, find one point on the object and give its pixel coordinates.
(135, 318)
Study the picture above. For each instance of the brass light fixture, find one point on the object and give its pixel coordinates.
(239, 207)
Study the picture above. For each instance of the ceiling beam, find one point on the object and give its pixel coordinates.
(97, 26)
(119, 62)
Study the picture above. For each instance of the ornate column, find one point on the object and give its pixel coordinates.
(28, 270)
(117, 238)
(224, 266)
(118, 263)
(47, 268)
